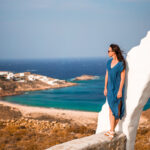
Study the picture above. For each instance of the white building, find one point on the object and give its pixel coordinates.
(31, 77)
(4, 72)
(10, 75)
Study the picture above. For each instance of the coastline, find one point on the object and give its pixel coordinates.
(75, 116)
(18, 83)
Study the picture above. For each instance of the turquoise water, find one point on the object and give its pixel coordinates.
(87, 96)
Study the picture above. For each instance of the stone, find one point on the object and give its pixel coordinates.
(92, 142)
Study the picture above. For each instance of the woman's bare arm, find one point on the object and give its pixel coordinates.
(106, 79)
(122, 79)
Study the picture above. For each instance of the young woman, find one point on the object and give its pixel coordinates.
(114, 87)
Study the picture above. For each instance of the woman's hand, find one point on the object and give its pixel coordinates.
(105, 91)
(119, 94)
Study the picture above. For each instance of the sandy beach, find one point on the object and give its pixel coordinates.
(75, 116)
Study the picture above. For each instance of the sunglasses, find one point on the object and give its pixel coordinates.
(109, 51)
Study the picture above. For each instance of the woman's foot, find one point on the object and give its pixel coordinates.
(110, 134)
(107, 133)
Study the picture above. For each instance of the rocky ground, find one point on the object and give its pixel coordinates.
(143, 132)
(27, 133)
(41, 131)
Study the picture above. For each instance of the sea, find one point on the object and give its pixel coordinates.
(87, 96)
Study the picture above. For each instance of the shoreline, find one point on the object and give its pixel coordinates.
(75, 116)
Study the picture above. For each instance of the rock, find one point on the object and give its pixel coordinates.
(85, 77)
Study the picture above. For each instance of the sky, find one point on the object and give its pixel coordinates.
(41, 29)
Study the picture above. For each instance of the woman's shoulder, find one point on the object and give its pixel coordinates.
(109, 60)
(108, 63)
(121, 66)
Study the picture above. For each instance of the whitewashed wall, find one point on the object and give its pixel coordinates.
(137, 92)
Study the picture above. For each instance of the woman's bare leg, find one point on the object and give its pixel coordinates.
(117, 120)
(110, 116)
(112, 121)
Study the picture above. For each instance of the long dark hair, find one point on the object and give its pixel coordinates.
(118, 53)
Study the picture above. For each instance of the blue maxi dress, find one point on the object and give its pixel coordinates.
(114, 78)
